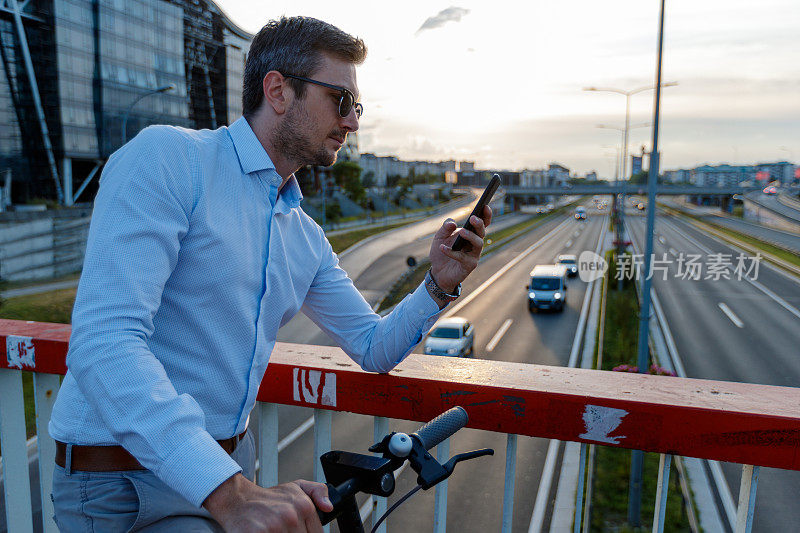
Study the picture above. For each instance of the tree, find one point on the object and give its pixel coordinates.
(640, 177)
(368, 179)
(344, 170)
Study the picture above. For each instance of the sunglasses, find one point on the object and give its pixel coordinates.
(347, 101)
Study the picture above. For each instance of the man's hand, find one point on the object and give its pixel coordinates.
(450, 268)
(242, 506)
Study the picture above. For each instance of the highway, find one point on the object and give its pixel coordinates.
(475, 490)
(780, 238)
(732, 330)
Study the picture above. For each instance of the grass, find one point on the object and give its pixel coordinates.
(52, 306)
(407, 283)
(343, 241)
(612, 465)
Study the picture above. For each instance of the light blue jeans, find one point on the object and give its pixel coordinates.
(133, 500)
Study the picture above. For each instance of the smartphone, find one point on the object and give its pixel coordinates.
(485, 198)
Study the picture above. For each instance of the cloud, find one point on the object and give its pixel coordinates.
(451, 14)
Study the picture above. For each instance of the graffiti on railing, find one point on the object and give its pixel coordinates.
(20, 352)
(314, 387)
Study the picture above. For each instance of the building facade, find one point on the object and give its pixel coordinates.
(99, 66)
(379, 168)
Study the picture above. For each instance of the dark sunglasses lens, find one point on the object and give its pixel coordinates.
(359, 110)
(345, 104)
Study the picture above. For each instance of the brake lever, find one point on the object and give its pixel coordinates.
(451, 464)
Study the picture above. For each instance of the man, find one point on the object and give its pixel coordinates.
(198, 252)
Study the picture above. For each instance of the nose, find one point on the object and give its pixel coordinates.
(350, 122)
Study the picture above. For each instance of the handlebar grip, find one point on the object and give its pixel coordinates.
(442, 427)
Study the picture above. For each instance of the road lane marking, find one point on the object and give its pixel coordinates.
(569, 243)
(499, 335)
(780, 301)
(730, 314)
(673, 251)
(548, 471)
(474, 294)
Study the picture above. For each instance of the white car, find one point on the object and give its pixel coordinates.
(451, 337)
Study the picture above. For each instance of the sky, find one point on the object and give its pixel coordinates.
(500, 82)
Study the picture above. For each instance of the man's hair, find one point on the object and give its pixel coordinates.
(295, 46)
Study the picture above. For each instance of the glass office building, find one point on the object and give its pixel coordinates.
(98, 65)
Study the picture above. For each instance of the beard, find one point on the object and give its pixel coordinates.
(292, 139)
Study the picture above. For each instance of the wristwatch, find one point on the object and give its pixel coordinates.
(437, 291)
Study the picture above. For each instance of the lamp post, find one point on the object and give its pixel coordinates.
(161, 89)
(627, 95)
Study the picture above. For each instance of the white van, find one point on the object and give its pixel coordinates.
(548, 288)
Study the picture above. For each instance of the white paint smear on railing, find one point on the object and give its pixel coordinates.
(601, 422)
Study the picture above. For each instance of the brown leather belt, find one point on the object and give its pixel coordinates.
(115, 458)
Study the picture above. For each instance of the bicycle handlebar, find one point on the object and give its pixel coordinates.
(442, 427)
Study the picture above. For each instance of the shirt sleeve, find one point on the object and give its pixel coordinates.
(376, 343)
(141, 213)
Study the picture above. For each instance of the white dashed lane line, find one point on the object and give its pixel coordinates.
(499, 335)
(730, 314)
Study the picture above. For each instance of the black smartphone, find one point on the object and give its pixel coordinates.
(485, 198)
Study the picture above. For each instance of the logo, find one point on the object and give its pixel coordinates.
(591, 266)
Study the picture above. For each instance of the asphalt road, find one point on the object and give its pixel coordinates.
(733, 330)
(475, 490)
(771, 201)
(780, 238)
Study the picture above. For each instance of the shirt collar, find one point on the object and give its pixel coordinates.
(251, 153)
(253, 157)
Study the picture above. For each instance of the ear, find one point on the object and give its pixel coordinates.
(277, 93)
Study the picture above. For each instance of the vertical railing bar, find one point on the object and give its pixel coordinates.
(440, 501)
(747, 498)
(323, 422)
(587, 502)
(664, 464)
(579, 492)
(268, 444)
(45, 390)
(380, 429)
(508, 489)
(16, 482)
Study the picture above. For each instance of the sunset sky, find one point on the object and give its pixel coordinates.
(500, 82)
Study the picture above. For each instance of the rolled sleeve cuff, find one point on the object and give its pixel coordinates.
(198, 467)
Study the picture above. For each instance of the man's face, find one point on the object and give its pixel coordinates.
(312, 132)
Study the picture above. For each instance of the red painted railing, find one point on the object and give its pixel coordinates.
(736, 422)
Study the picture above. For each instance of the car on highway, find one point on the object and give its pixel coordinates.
(570, 262)
(770, 190)
(547, 288)
(580, 213)
(640, 206)
(451, 337)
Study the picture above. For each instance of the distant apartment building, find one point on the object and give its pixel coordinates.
(782, 171)
(98, 64)
(721, 175)
(381, 167)
(591, 176)
(556, 175)
(636, 164)
(677, 176)
(466, 166)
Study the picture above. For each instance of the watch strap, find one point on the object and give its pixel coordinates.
(437, 291)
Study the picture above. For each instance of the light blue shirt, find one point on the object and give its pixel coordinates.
(194, 260)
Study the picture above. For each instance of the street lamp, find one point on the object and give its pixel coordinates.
(161, 89)
(627, 95)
